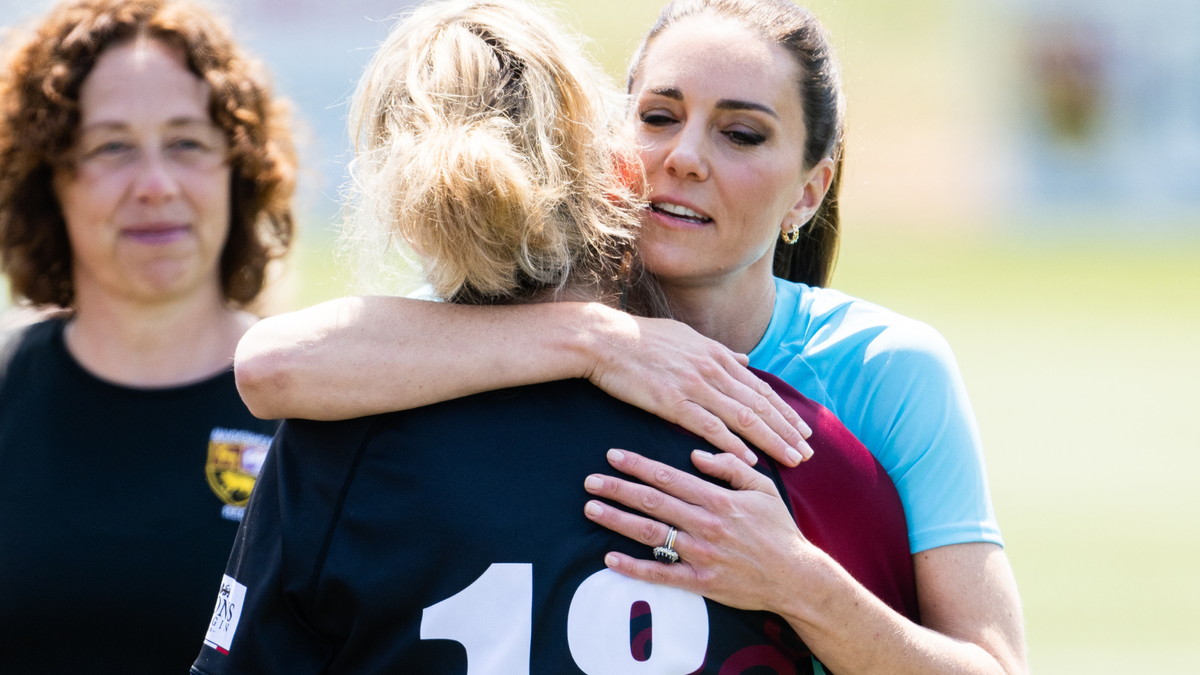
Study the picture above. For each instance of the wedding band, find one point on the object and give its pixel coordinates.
(667, 553)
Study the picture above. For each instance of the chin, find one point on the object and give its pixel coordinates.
(668, 263)
(165, 282)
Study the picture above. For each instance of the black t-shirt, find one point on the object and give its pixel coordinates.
(452, 539)
(112, 532)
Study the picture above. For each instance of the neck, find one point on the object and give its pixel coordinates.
(154, 344)
(733, 310)
(574, 291)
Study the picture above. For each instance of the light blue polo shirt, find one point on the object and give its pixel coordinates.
(895, 385)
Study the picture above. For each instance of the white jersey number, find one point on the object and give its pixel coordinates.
(598, 627)
(493, 619)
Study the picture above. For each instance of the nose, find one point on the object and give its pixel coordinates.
(687, 157)
(155, 182)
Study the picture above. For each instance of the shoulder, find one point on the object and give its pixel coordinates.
(308, 471)
(829, 433)
(17, 343)
(836, 324)
(323, 443)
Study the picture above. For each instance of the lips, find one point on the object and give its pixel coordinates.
(680, 212)
(156, 234)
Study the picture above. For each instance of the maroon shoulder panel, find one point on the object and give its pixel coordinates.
(846, 504)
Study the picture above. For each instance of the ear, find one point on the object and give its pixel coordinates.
(811, 192)
(627, 165)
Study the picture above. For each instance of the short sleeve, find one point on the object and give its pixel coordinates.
(256, 627)
(920, 424)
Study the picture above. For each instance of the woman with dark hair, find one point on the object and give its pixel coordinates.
(738, 110)
(448, 538)
(145, 184)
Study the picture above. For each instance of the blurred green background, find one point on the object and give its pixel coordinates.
(1076, 323)
(1081, 358)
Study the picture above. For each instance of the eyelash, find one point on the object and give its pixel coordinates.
(740, 138)
(745, 138)
(657, 119)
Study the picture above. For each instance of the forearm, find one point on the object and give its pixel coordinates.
(363, 356)
(851, 631)
(366, 355)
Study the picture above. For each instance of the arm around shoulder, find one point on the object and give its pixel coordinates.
(359, 356)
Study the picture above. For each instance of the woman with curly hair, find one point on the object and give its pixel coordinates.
(145, 184)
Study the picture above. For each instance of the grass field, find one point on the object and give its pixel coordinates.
(1082, 359)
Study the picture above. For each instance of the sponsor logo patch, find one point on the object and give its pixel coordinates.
(234, 460)
(226, 615)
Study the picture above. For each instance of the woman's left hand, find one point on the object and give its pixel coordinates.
(739, 547)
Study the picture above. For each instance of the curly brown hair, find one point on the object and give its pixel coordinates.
(39, 121)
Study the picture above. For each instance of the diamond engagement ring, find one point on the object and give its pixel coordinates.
(667, 553)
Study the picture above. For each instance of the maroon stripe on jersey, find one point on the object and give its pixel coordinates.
(845, 503)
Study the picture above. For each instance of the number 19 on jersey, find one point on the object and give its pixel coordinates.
(493, 620)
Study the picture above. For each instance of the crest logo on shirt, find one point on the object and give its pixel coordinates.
(234, 460)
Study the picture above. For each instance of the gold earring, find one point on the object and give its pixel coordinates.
(791, 236)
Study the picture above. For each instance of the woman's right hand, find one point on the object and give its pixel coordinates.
(667, 368)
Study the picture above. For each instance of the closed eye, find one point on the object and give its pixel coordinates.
(745, 138)
(657, 119)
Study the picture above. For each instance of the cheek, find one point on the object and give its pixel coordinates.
(87, 202)
(753, 199)
(652, 153)
(753, 180)
(210, 193)
(765, 191)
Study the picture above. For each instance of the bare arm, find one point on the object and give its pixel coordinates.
(366, 355)
(969, 607)
(741, 547)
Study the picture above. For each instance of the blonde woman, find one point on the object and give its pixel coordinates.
(449, 538)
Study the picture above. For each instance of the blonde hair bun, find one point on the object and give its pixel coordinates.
(486, 141)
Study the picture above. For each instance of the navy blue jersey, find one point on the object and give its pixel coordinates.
(118, 506)
(451, 539)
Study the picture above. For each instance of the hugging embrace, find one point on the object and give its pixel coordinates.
(493, 499)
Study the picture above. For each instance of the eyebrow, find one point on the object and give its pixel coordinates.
(174, 122)
(674, 94)
(668, 92)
